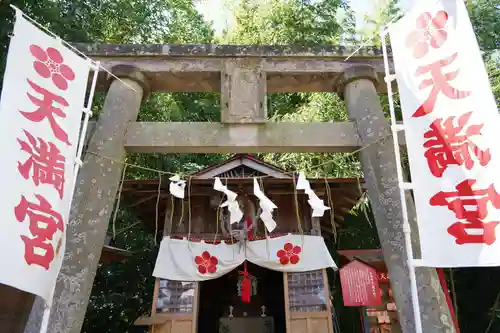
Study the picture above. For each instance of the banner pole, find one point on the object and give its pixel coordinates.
(402, 187)
(88, 113)
(45, 319)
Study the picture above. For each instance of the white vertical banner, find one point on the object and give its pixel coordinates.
(451, 126)
(41, 109)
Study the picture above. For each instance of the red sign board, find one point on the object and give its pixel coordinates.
(360, 285)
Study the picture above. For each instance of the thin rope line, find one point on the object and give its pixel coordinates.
(296, 202)
(189, 207)
(135, 165)
(370, 39)
(127, 228)
(226, 178)
(493, 313)
(453, 290)
(217, 218)
(362, 196)
(117, 207)
(157, 205)
(182, 213)
(172, 209)
(332, 212)
(346, 155)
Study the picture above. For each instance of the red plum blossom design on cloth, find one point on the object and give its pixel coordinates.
(430, 31)
(206, 263)
(289, 254)
(49, 64)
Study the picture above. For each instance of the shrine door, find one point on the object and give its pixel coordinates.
(175, 307)
(307, 302)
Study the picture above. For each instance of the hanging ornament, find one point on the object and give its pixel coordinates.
(235, 213)
(317, 205)
(266, 205)
(177, 186)
(246, 284)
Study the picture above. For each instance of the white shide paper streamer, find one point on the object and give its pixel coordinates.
(235, 213)
(266, 205)
(317, 205)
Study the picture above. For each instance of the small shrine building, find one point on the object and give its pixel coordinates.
(237, 277)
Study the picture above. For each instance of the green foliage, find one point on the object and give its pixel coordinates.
(111, 21)
(122, 291)
(386, 11)
(484, 15)
(285, 22)
(311, 23)
(493, 69)
(315, 107)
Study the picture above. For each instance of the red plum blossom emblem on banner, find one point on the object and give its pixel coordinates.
(206, 263)
(289, 254)
(430, 31)
(49, 63)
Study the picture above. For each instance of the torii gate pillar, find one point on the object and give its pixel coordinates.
(92, 205)
(380, 174)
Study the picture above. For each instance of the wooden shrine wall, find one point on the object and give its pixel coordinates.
(203, 215)
(307, 302)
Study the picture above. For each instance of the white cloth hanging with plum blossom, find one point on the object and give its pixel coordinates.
(183, 260)
(290, 253)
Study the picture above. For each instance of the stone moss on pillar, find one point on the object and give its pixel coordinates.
(94, 198)
(358, 88)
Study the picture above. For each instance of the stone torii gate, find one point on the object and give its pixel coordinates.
(243, 75)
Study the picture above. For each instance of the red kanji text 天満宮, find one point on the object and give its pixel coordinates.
(470, 205)
(451, 144)
(47, 110)
(43, 224)
(45, 162)
(440, 84)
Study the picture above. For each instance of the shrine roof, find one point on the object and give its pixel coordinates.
(371, 257)
(220, 169)
(142, 195)
(368, 256)
(111, 254)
